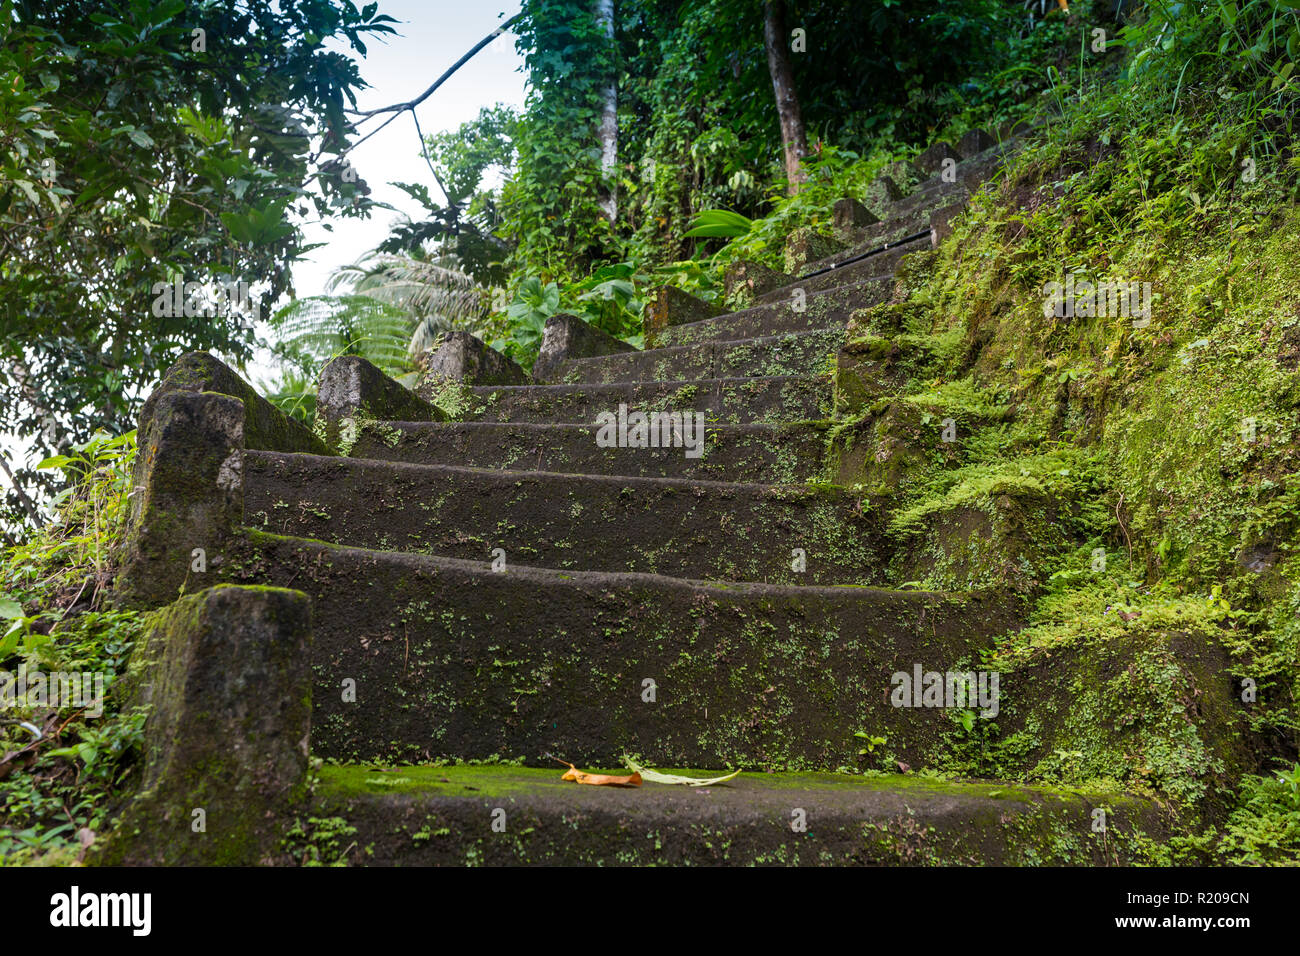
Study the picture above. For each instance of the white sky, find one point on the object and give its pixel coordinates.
(433, 35)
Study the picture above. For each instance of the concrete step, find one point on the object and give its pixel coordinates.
(973, 171)
(889, 233)
(893, 227)
(881, 263)
(829, 308)
(795, 353)
(733, 401)
(764, 454)
(449, 659)
(931, 195)
(585, 522)
(445, 816)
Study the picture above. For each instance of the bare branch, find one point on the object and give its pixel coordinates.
(399, 107)
(28, 505)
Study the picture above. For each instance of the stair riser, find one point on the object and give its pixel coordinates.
(559, 521)
(725, 401)
(832, 307)
(773, 455)
(454, 661)
(797, 354)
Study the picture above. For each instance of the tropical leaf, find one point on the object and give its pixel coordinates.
(427, 286)
(719, 224)
(654, 776)
(317, 329)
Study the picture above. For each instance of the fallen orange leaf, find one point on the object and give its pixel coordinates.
(598, 779)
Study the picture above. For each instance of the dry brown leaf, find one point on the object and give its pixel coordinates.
(598, 779)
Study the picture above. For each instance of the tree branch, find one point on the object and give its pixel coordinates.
(28, 505)
(399, 107)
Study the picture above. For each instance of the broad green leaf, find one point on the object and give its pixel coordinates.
(719, 224)
(9, 643)
(28, 191)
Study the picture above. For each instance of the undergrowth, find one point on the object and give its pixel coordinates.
(1168, 440)
(64, 763)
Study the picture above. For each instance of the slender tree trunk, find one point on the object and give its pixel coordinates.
(28, 505)
(793, 137)
(608, 117)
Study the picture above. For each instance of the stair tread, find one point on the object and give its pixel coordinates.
(756, 818)
(769, 453)
(822, 309)
(454, 659)
(784, 353)
(844, 271)
(569, 426)
(738, 400)
(717, 343)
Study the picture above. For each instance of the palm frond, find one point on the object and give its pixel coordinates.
(323, 327)
(425, 285)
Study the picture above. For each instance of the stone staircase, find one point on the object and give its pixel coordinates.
(492, 588)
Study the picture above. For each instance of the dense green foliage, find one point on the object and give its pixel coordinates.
(1174, 440)
(550, 202)
(698, 129)
(136, 150)
(58, 790)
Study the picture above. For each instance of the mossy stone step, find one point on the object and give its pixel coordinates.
(731, 401)
(883, 263)
(934, 193)
(798, 312)
(778, 534)
(764, 454)
(889, 232)
(795, 353)
(448, 659)
(501, 815)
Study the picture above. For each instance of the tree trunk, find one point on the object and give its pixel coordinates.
(793, 137)
(608, 130)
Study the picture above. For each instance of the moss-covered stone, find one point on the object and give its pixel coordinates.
(568, 337)
(266, 428)
(807, 244)
(670, 306)
(188, 494)
(352, 389)
(463, 358)
(1142, 697)
(225, 674)
(745, 281)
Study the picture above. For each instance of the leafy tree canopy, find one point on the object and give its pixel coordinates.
(144, 142)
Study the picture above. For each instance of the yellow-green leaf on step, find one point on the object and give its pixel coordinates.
(652, 776)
